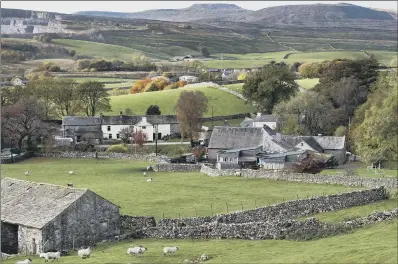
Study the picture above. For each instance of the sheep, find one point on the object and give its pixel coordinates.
(144, 174)
(84, 253)
(26, 261)
(136, 250)
(171, 250)
(27, 173)
(149, 180)
(70, 184)
(51, 255)
(70, 172)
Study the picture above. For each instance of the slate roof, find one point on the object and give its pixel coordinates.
(81, 120)
(34, 204)
(266, 118)
(117, 120)
(224, 137)
(330, 143)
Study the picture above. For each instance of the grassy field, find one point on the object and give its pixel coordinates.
(223, 103)
(98, 79)
(307, 83)
(100, 50)
(356, 211)
(236, 87)
(372, 244)
(362, 172)
(122, 182)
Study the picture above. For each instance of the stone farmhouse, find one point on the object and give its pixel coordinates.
(38, 217)
(234, 147)
(260, 120)
(109, 127)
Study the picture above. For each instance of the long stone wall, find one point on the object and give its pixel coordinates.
(305, 177)
(287, 210)
(175, 167)
(286, 229)
(103, 155)
(9, 160)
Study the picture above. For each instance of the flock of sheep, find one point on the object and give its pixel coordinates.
(85, 253)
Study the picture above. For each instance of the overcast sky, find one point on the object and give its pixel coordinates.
(135, 6)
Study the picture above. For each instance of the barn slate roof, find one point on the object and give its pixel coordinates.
(81, 120)
(330, 143)
(224, 137)
(117, 120)
(266, 118)
(35, 204)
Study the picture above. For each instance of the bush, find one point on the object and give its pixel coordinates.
(121, 148)
(72, 53)
(309, 165)
(54, 68)
(93, 70)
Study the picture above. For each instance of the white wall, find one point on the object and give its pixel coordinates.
(115, 129)
(164, 129)
(272, 125)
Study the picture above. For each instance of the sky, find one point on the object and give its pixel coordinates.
(70, 7)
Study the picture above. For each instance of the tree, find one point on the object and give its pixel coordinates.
(309, 164)
(153, 110)
(94, 97)
(190, 109)
(375, 133)
(309, 70)
(72, 53)
(340, 131)
(12, 94)
(125, 134)
(23, 120)
(203, 50)
(314, 113)
(65, 98)
(268, 87)
(128, 111)
(43, 89)
(140, 138)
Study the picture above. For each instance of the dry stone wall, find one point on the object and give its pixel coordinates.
(275, 229)
(305, 177)
(286, 210)
(175, 167)
(136, 222)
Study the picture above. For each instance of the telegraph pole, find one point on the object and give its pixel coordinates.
(212, 119)
(156, 139)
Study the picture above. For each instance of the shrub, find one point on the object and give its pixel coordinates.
(242, 76)
(309, 165)
(93, 70)
(121, 148)
(72, 53)
(54, 68)
(139, 86)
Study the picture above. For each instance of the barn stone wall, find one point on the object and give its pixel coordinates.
(286, 210)
(29, 240)
(9, 238)
(89, 220)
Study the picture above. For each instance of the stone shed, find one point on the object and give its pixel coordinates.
(37, 217)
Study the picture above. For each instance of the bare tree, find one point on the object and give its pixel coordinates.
(23, 120)
(139, 138)
(65, 98)
(190, 109)
(94, 97)
(125, 134)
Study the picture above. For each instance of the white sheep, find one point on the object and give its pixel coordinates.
(70, 172)
(144, 173)
(149, 180)
(171, 250)
(27, 173)
(84, 253)
(26, 261)
(136, 250)
(51, 255)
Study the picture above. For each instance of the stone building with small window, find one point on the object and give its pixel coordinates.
(39, 217)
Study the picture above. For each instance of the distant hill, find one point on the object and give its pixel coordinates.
(313, 15)
(192, 13)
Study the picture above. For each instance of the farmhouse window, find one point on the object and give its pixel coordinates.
(109, 128)
(110, 136)
(144, 127)
(117, 136)
(302, 144)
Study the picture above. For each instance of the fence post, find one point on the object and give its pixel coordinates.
(73, 242)
(227, 206)
(297, 197)
(241, 204)
(179, 216)
(163, 214)
(196, 213)
(255, 204)
(211, 206)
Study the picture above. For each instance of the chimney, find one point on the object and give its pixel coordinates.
(319, 135)
(258, 114)
(101, 115)
(225, 122)
(121, 113)
(144, 119)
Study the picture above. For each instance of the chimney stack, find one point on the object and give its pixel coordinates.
(258, 114)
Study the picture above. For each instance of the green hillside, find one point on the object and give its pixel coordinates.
(223, 103)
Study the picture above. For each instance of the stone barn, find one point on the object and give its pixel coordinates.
(39, 217)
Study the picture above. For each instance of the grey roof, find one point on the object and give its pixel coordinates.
(236, 150)
(331, 143)
(117, 120)
(224, 137)
(266, 118)
(34, 204)
(313, 144)
(280, 155)
(81, 120)
(248, 122)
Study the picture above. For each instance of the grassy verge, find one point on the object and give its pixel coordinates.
(362, 172)
(307, 83)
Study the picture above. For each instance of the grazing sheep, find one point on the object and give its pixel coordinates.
(170, 250)
(144, 173)
(84, 253)
(51, 255)
(136, 250)
(149, 168)
(70, 172)
(27, 173)
(26, 261)
(149, 180)
(70, 184)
